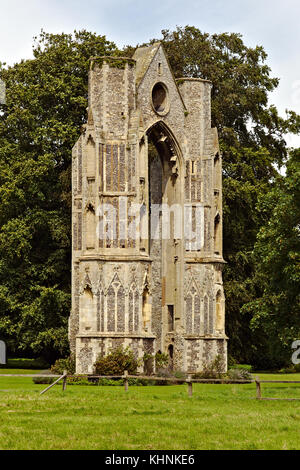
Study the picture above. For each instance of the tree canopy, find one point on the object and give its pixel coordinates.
(275, 311)
(46, 107)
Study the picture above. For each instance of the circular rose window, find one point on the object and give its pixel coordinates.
(160, 98)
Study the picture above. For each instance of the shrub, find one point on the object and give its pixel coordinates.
(20, 363)
(103, 382)
(43, 380)
(61, 365)
(179, 374)
(78, 380)
(239, 374)
(231, 361)
(161, 360)
(242, 366)
(111, 382)
(163, 373)
(116, 362)
(148, 363)
(292, 369)
(212, 370)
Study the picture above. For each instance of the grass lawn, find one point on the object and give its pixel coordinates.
(156, 417)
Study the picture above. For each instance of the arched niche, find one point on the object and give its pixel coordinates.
(220, 314)
(90, 227)
(87, 317)
(217, 235)
(146, 309)
(90, 158)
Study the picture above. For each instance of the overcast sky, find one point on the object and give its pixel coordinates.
(274, 24)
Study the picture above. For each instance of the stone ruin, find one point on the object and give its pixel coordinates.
(147, 217)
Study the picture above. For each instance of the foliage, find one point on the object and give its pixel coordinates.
(61, 365)
(103, 382)
(276, 312)
(246, 367)
(43, 380)
(161, 360)
(164, 373)
(78, 380)
(46, 107)
(22, 363)
(292, 369)
(179, 374)
(211, 369)
(239, 374)
(116, 362)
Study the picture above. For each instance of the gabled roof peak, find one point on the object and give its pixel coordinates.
(144, 57)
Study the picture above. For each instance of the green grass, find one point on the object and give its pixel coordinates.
(156, 417)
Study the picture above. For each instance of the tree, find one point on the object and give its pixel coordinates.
(276, 312)
(46, 107)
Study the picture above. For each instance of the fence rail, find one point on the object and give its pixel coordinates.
(188, 380)
(52, 376)
(169, 379)
(259, 393)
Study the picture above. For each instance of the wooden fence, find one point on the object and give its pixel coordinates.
(189, 381)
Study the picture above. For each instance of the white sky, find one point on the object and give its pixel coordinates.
(274, 24)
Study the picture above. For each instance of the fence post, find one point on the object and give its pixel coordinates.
(258, 388)
(190, 385)
(126, 380)
(52, 385)
(65, 380)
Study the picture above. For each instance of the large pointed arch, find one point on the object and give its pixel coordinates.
(165, 141)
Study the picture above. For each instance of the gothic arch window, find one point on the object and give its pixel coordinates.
(100, 310)
(217, 172)
(133, 309)
(170, 318)
(217, 235)
(146, 312)
(189, 313)
(193, 311)
(90, 158)
(120, 309)
(111, 304)
(90, 227)
(171, 356)
(206, 314)
(87, 309)
(219, 311)
(116, 306)
(211, 315)
(197, 310)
